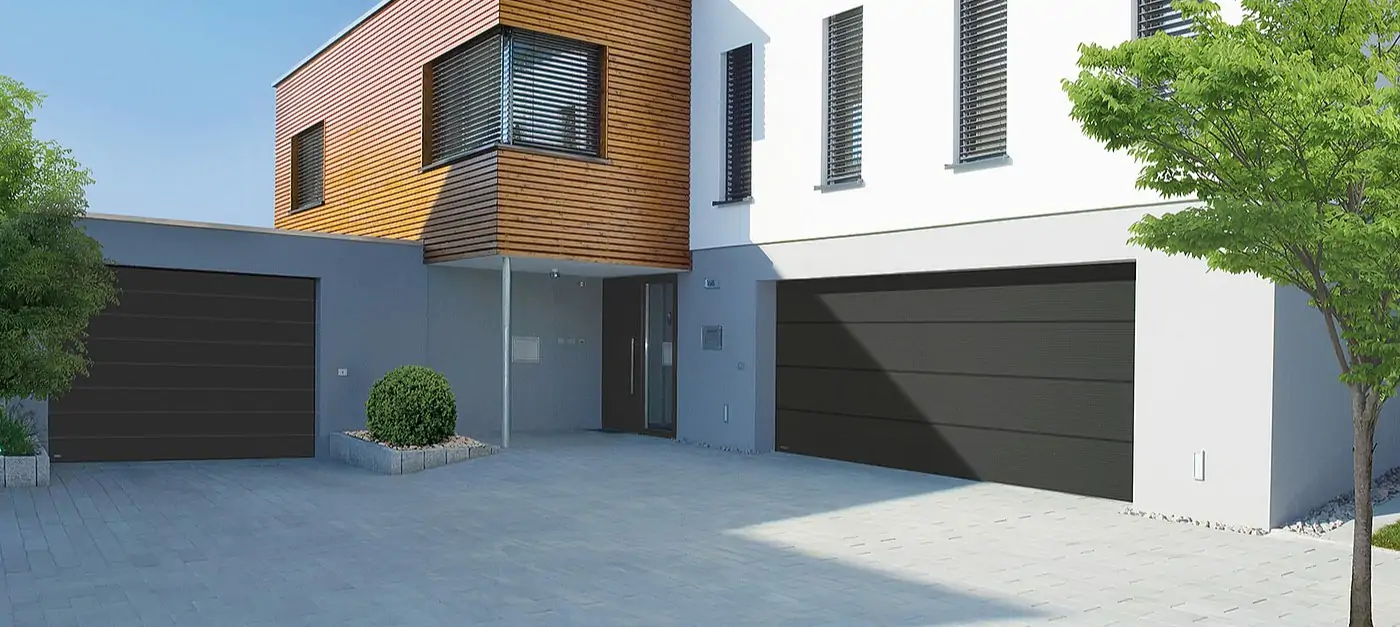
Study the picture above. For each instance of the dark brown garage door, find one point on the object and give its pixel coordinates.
(195, 365)
(1022, 377)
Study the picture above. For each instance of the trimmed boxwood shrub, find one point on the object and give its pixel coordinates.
(411, 406)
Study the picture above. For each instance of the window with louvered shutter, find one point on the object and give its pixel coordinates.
(465, 108)
(556, 88)
(738, 123)
(308, 168)
(1158, 16)
(845, 100)
(982, 86)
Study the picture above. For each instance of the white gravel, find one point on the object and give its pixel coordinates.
(1342, 510)
(1254, 531)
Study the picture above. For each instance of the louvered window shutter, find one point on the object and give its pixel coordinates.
(466, 99)
(556, 92)
(982, 93)
(1158, 16)
(738, 126)
(845, 78)
(308, 164)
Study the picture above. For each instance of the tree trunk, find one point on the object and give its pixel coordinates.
(1365, 407)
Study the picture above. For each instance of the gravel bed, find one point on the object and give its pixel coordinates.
(1253, 531)
(1341, 510)
(456, 441)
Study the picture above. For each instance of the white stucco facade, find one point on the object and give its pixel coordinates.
(1206, 344)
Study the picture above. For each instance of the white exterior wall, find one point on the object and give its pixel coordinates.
(1205, 341)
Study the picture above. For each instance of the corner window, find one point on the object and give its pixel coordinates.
(308, 168)
(1158, 16)
(845, 99)
(738, 124)
(515, 87)
(982, 84)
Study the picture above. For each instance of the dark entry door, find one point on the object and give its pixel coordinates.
(639, 338)
(195, 365)
(1021, 376)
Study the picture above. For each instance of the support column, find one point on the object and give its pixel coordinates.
(505, 352)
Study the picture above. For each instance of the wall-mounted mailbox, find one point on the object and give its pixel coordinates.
(712, 338)
(525, 349)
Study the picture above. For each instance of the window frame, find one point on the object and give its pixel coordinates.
(959, 161)
(1138, 17)
(505, 136)
(297, 204)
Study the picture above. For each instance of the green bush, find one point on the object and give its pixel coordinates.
(16, 433)
(411, 406)
(1387, 537)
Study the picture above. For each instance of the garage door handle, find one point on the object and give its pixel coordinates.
(632, 368)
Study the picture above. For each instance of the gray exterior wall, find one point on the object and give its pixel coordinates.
(380, 307)
(1312, 433)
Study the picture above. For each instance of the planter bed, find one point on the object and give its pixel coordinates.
(28, 471)
(358, 449)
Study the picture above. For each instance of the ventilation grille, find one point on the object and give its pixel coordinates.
(738, 127)
(845, 77)
(1158, 16)
(308, 164)
(981, 80)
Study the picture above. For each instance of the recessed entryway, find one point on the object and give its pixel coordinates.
(1014, 376)
(195, 365)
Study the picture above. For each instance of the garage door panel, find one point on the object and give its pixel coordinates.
(215, 283)
(1083, 302)
(172, 304)
(1100, 351)
(202, 329)
(1027, 459)
(104, 423)
(99, 449)
(110, 350)
(1092, 409)
(182, 376)
(156, 399)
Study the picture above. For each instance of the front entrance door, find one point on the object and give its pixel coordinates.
(639, 348)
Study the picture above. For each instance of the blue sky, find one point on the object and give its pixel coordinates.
(168, 102)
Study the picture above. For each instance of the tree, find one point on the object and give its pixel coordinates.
(1284, 129)
(52, 275)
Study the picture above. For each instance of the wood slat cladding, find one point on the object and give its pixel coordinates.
(630, 207)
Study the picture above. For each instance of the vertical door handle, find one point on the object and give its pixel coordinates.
(632, 368)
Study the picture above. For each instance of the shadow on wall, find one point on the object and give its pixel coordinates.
(1312, 430)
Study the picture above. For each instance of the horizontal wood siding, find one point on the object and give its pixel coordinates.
(634, 209)
(368, 90)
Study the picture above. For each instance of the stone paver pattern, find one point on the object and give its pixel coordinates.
(595, 529)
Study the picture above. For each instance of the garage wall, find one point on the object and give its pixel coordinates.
(1204, 345)
(1312, 431)
(380, 307)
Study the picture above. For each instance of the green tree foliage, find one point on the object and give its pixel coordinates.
(52, 275)
(1284, 130)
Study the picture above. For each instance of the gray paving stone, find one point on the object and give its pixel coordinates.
(594, 529)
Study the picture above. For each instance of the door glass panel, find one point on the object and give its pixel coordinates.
(660, 353)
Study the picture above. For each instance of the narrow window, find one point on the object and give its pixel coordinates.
(845, 78)
(308, 168)
(738, 123)
(1158, 16)
(982, 86)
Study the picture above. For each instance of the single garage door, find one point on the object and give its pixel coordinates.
(1021, 376)
(195, 365)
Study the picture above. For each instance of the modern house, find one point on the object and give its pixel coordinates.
(867, 231)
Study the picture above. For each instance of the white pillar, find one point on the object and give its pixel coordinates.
(505, 352)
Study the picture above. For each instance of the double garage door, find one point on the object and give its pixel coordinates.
(195, 365)
(1022, 376)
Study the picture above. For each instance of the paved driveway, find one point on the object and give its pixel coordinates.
(596, 529)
